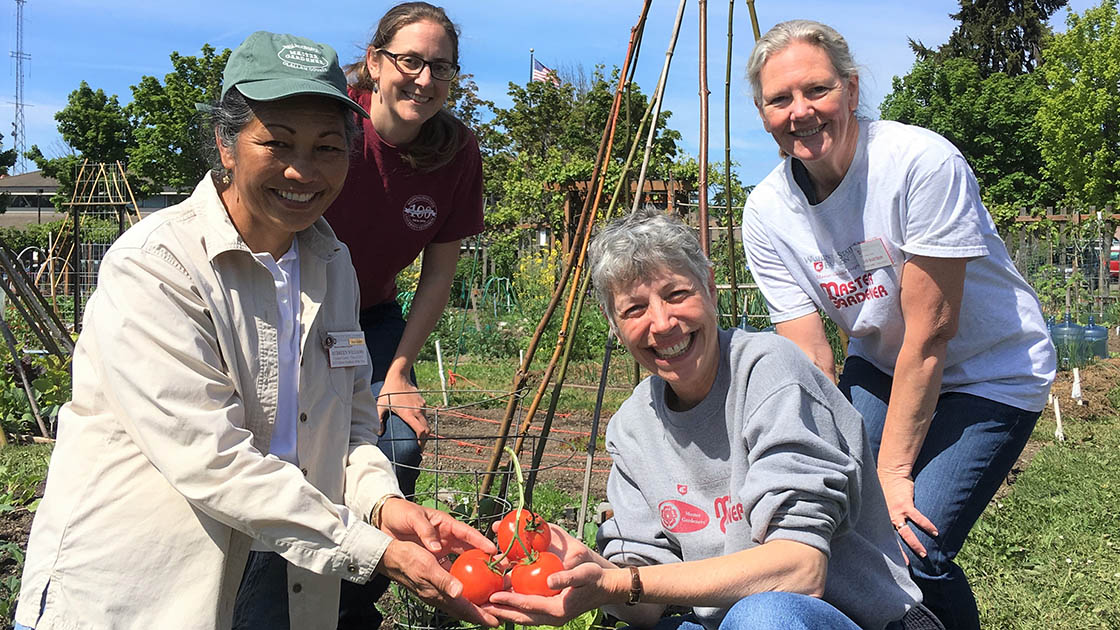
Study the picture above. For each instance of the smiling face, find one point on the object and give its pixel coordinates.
(667, 321)
(287, 165)
(809, 108)
(405, 102)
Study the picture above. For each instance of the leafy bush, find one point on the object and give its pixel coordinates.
(51, 383)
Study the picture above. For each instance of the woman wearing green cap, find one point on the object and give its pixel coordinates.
(217, 466)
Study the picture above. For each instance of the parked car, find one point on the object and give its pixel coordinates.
(1114, 261)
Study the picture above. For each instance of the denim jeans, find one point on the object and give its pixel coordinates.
(771, 611)
(971, 445)
(383, 326)
(262, 598)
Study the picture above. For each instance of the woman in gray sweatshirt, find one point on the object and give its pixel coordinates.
(742, 484)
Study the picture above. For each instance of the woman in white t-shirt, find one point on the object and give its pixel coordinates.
(880, 225)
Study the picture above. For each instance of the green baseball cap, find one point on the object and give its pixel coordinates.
(272, 66)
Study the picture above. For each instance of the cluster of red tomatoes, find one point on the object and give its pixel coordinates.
(524, 542)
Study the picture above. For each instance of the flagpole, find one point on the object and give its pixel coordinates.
(531, 65)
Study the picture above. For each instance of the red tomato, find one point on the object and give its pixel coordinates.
(531, 578)
(531, 529)
(479, 580)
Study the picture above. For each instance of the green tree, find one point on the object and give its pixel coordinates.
(95, 127)
(990, 120)
(167, 126)
(544, 148)
(998, 35)
(1079, 111)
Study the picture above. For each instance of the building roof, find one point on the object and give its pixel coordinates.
(28, 182)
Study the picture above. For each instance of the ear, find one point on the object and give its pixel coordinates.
(225, 153)
(610, 322)
(372, 65)
(853, 96)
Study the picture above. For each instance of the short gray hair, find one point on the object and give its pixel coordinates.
(783, 34)
(231, 114)
(639, 244)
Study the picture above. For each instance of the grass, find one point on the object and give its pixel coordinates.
(1047, 554)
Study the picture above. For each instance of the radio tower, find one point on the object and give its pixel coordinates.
(19, 138)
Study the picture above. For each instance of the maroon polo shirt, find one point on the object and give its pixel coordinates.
(388, 212)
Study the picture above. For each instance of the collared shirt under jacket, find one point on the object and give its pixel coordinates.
(160, 480)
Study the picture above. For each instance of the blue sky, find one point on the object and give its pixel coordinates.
(112, 43)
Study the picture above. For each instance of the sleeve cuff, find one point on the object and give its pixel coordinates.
(362, 549)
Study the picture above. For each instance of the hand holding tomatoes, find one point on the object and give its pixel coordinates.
(520, 535)
(475, 569)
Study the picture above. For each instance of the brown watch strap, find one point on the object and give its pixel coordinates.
(635, 587)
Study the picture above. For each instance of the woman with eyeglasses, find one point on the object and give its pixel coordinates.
(414, 185)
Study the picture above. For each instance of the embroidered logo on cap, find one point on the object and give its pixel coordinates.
(302, 57)
(420, 212)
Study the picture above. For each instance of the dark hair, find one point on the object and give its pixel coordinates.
(227, 117)
(441, 136)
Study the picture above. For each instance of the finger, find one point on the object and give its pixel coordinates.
(920, 520)
(463, 537)
(912, 541)
(905, 556)
(425, 532)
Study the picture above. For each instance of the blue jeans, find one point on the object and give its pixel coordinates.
(971, 445)
(771, 611)
(383, 326)
(262, 598)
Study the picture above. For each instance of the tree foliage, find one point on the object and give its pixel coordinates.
(989, 119)
(999, 36)
(1079, 112)
(167, 126)
(544, 147)
(7, 158)
(95, 127)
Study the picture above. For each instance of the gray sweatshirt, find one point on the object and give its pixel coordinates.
(773, 452)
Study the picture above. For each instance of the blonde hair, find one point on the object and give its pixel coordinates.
(783, 34)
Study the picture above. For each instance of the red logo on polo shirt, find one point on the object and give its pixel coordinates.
(682, 518)
(420, 212)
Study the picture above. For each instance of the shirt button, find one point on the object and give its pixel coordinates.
(297, 587)
(304, 471)
(303, 417)
(352, 569)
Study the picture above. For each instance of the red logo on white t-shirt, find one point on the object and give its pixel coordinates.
(682, 489)
(818, 266)
(420, 212)
(682, 518)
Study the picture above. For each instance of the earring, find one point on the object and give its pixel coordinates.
(376, 88)
(225, 178)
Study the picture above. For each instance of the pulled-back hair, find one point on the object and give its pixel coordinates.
(229, 116)
(441, 136)
(783, 34)
(638, 245)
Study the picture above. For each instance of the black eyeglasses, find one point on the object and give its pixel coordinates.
(413, 65)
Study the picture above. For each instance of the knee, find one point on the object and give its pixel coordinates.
(938, 562)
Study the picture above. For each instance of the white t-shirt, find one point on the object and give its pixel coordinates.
(907, 192)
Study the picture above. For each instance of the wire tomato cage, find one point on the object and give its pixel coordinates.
(450, 476)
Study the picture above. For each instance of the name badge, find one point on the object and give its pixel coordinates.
(346, 349)
(874, 254)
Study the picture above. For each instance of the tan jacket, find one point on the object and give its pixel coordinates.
(158, 483)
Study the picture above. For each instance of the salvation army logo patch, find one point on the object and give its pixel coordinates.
(420, 212)
(302, 57)
(682, 518)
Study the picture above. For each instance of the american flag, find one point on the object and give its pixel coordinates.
(542, 72)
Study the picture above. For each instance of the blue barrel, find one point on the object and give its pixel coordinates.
(1069, 340)
(1096, 337)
